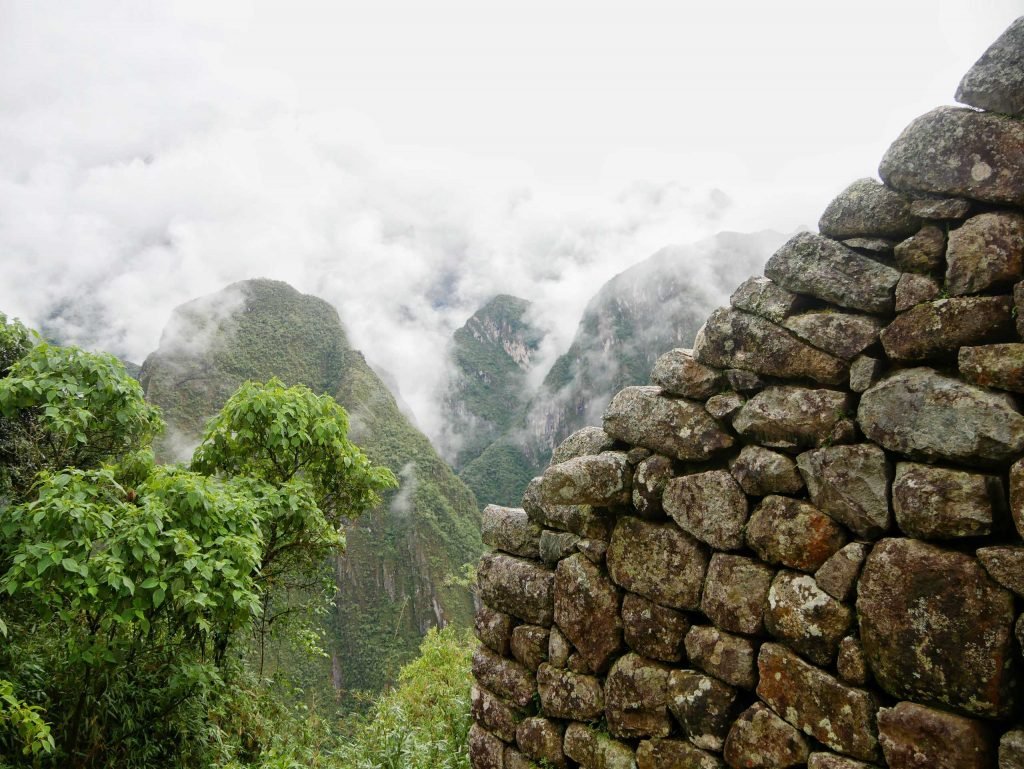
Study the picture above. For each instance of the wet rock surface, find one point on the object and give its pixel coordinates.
(936, 628)
(709, 506)
(820, 267)
(959, 152)
(735, 339)
(915, 736)
(678, 428)
(923, 414)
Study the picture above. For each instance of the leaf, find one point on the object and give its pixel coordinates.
(70, 564)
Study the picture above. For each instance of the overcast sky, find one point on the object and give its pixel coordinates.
(407, 159)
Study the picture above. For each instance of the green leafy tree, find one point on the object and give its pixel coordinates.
(131, 591)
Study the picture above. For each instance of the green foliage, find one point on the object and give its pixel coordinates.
(424, 723)
(64, 407)
(126, 586)
(279, 434)
(500, 474)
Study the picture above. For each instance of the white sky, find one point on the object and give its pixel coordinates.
(406, 160)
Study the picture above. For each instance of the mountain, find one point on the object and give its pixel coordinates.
(657, 304)
(492, 354)
(393, 579)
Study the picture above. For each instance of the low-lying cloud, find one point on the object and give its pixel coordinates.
(145, 163)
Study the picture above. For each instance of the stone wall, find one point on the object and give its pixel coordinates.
(801, 546)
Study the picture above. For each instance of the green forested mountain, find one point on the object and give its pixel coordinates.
(652, 307)
(492, 354)
(392, 579)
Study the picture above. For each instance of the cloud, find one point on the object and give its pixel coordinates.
(371, 155)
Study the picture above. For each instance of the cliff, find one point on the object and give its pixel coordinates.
(801, 545)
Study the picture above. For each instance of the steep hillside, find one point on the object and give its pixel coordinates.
(491, 354)
(652, 307)
(392, 578)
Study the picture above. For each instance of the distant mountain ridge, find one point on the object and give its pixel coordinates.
(393, 579)
(653, 306)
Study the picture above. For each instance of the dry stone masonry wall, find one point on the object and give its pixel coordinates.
(801, 545)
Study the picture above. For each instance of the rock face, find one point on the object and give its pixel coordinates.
(810, 550)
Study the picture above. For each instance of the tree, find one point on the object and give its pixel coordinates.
(126, 586)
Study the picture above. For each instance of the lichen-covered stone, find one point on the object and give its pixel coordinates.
(939, 329)
(842, 334)
(584, 520)
(851, 664)
(493, 714)
(735, 339)
(507, 679)
(643, 416)
(636, 698)
(584, 442)
(926, 415)
(511, 530)
(851, 484)
(923, 252)
(936, 628)
(867, 208)
(736, 593)
(659, 561)
(593, 750)
(815, 265)
(805, 617)
(880, 246)
(760, 471)
(839, 716)
(677, 372)
(727, 657)
(648, 485)
(761, 739)
(864, 372)
(994, 365)
(832, 761)
(996, 81)
(516, 760)
(569, 695)
(578, 664)
(1005, 564)
(916, 737)
(937, 503)
(559, 648)
(1011, 750)
(838, 575)
(593, 549)
(725, 405)
(793, 533)
(915, 289)
(985, 252)
(587, 610)
(959, 152)
(703, 706)
(674, 754)
(652, 630)
(485, 750)
(931, 207)
(494, 629)
(530, 645)
(743, 381)
(710, 506)
(599, 479)
(541, 739)
(556, 545)
(787, 417)
(518, 587)
(761, 296)
(1017, 495)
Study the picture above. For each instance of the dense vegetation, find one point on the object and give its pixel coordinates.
(137, 599)
(392, 581)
